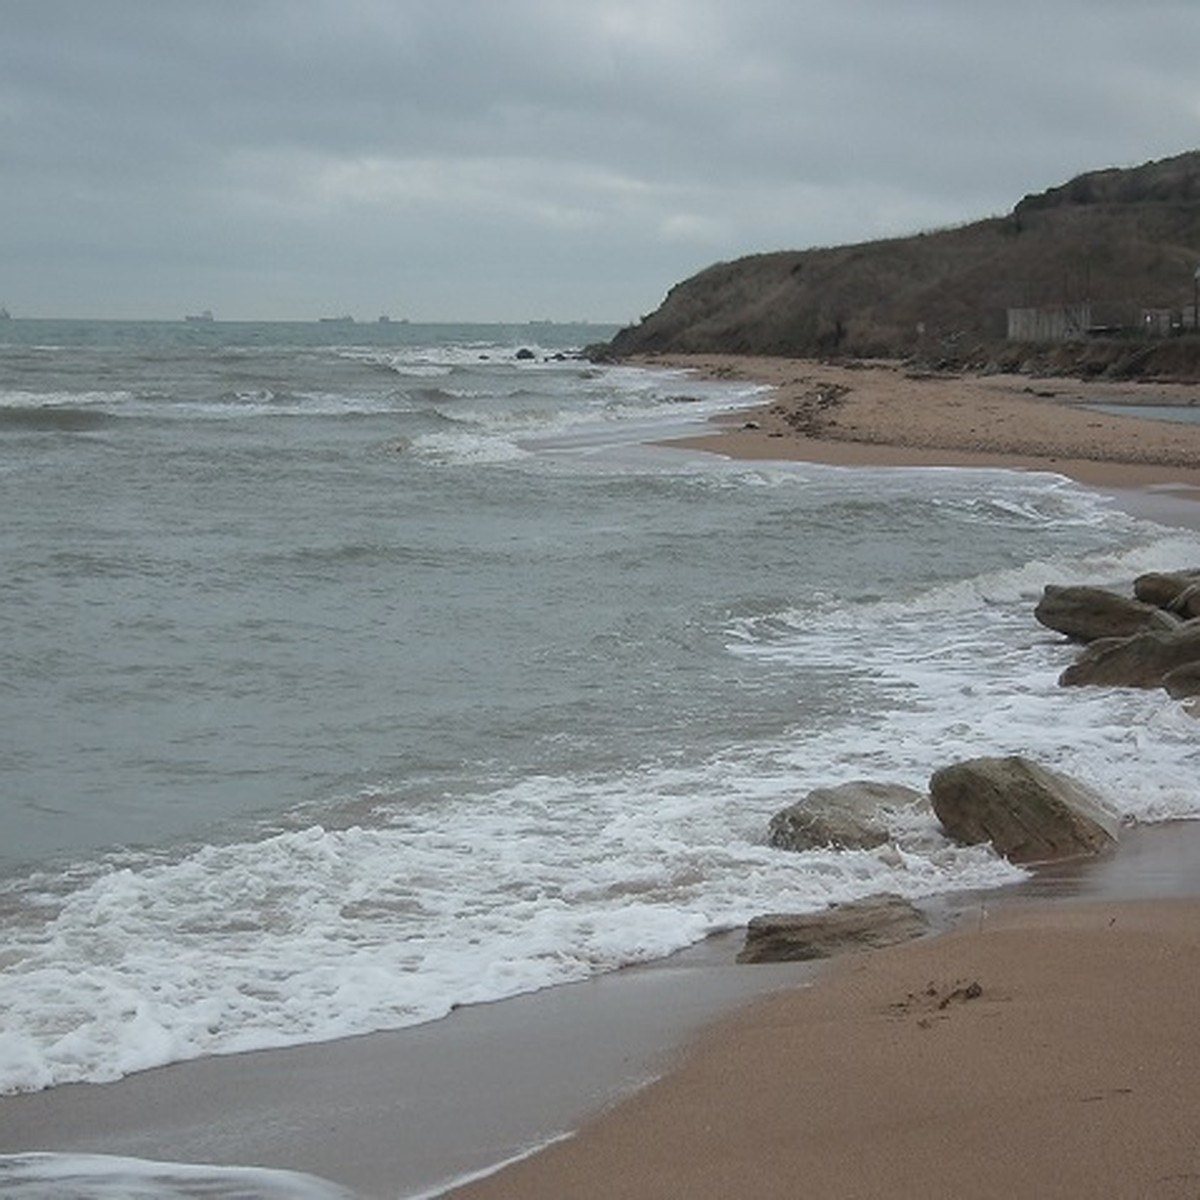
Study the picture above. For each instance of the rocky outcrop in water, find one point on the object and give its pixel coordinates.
(1088, 613)
(1148, 640)
(1028, 813)
(1151, 659)
(1177, 592)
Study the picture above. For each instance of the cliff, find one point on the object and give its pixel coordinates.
(1122, 241)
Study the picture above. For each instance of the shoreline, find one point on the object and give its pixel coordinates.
(495, 1101)
(490, 1087)
(1045, 1051)
(880, 415)
(879, 1080)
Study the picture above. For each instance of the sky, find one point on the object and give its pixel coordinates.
(512, 160)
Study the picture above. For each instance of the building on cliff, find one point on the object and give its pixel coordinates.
(1049, 323)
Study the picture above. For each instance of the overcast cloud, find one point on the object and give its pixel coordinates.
(517, 159)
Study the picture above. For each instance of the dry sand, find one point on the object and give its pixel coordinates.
(882, 415)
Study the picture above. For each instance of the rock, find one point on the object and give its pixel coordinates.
(862, 924)
(1183, 681)
(1186, 605)
(1141, 661)
(838, 818)
(1088, 613)
(1028, 813)
(1176, 591)
(796, 829)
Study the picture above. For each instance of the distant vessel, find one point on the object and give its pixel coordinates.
(5, 315)
(206, 315)
(336, 320)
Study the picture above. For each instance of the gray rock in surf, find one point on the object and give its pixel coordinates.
(1088, 613)
(1028, 813)
(866, 924)
(1144, 660)
(845, 817)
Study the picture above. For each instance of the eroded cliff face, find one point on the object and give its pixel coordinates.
(1120, 240)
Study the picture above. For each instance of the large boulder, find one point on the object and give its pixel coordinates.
(1176, 591)
(1142, 661)
(839, 818)
(1088, 613)
(859, 925)
(1028, 813)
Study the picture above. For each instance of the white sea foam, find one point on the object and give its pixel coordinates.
(106, 1177)
(614, 406)
(322, 933)
(466, 448)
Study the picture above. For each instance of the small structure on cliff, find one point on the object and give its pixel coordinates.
(1049, 323)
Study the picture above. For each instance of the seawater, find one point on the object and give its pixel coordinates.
(352, 673)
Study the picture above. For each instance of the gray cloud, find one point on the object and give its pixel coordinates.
(505, 159)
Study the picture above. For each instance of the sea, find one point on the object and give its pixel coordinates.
(355, 672)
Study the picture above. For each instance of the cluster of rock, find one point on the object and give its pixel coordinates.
(1028, 813)
(1148, 640)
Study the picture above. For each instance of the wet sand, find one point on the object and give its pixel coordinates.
(398, 1114)
(1041, 1051)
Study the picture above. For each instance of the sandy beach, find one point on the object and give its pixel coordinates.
(881, 414)
(1040, 1051)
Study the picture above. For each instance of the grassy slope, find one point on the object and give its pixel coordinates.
(1122, 239)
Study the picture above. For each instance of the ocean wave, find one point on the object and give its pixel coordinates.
(467, 448)
(318, 934)
(108, 1177)
(451, 735)
(54, 419)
